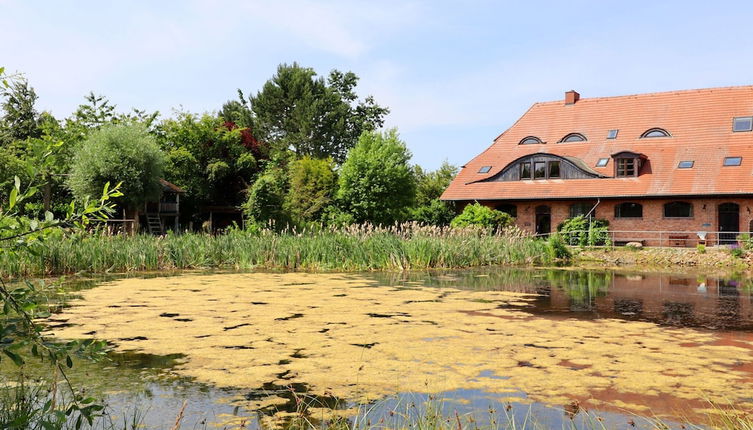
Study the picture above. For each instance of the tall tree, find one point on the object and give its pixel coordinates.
(114, 154)
(212, 159)
(312, 116)
(376, 182)
(20, 119)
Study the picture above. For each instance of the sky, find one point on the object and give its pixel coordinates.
(455, 74)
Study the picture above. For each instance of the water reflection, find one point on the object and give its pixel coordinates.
(668, 299)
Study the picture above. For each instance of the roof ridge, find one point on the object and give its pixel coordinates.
(655, 93)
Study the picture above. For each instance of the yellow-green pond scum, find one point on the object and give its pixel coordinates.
(346, 336)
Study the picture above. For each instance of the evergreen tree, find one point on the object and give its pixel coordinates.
(20, 119)
(312, 116)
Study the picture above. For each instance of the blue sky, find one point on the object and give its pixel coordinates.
(455, 74)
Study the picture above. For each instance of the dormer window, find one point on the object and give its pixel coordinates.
(626, 167)
(744, 123)
(530, 140)
(525, 170)
(655, 132)
(573, 137)
(627, 164)
(485, 169)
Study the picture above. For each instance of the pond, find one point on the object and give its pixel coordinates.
(254, 347)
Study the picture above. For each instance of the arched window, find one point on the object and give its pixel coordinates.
(655, 132)
(509, 209)
(573, 137)
(530, 140)
(678, 210)
(628, 210)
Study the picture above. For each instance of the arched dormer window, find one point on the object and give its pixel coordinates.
(573, 137)
(628, 164)
(530, 140)
(655, 132)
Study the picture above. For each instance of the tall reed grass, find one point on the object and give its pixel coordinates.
(355, 248)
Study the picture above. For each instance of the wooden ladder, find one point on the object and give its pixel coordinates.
(154, 224)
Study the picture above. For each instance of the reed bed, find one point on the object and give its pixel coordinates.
(354, 248)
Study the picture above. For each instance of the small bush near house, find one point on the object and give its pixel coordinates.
(558, 248)
(479, 215)
(701, 248)
(737, 252)
(581, 231)
(745, 241)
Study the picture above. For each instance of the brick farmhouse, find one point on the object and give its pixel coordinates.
(664, 168)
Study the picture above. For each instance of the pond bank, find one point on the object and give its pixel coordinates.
(715, 260)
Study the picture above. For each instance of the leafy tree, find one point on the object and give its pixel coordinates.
(238, 112)
(97, 111)
(114, 154)
(298, 110)
(431, 185)
(59, 406)
(20, 119)
(476, 214)
(213, 160)
(436, 212)
(312, 188)
(266, 198)
(376, 182)
(11, 167)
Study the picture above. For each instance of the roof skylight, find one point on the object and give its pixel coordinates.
(685, 164)
(733, 161)
(744, 123)
(485, 169)
(612, 134)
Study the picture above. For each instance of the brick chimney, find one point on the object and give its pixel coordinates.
(571, 97)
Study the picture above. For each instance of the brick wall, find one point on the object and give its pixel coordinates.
(705, 216)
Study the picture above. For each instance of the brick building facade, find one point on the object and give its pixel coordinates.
(653, 165)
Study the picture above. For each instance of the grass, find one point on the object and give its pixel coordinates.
(356, 248)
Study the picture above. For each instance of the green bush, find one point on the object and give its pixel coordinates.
(436, 212)
(265, 199)
(115, 154)
(582, 231)
(745, 241)
(557, 248)
(313, 183)
(376, 182)
(479, 215)
(737, 252)
(701, 248)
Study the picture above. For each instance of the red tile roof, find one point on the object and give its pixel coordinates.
(171, 187)
(699, 121)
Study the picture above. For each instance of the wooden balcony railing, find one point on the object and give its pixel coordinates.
(168, 207)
